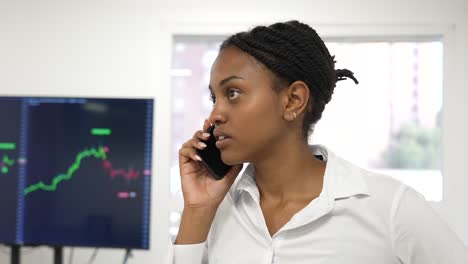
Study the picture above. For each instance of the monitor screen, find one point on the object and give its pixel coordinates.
(78, 171)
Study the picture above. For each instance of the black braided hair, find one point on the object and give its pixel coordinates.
(293, 51)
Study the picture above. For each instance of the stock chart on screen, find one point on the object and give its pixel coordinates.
(79, 171)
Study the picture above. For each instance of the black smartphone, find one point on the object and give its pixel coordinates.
(211, 156)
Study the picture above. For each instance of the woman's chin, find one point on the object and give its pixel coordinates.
(231, 160)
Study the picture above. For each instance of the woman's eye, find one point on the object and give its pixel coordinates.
(212, 98)
(232, 94)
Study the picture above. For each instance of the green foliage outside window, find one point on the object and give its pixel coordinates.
(414, 147)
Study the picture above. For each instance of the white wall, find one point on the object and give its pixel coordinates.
(122, 49)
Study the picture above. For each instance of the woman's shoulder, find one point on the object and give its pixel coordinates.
(343, 174)
(382, 186)
(381, 191)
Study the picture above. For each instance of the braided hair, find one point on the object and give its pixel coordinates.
(293, 51)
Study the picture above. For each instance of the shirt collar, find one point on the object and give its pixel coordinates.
(341, 180)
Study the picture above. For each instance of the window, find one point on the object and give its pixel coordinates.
(389, 123)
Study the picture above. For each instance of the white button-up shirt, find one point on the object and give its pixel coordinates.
(360, 217)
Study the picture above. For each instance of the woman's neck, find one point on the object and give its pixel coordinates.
(289, 173)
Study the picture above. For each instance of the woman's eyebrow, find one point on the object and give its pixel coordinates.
(225, 80)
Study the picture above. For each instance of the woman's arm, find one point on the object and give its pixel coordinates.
(202, 196)
(195, 225)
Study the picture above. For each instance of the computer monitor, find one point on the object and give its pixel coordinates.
(83, 170)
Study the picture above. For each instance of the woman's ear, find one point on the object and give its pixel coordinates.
(296, 100)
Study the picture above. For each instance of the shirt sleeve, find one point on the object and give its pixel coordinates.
(420, 235)
(185, 254)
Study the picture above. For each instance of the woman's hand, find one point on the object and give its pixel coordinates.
(199, 187)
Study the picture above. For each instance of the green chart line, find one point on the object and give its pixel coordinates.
(98, 154)
(7, 162)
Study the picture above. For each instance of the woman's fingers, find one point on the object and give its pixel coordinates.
(194, 143)
(206, 125)
(188, 150)
(201, 135)
(187, 154)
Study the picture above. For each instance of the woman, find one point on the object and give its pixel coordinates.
(295, 203)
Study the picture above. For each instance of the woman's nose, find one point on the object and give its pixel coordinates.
(217, 115)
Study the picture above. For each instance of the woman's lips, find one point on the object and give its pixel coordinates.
(223, 141)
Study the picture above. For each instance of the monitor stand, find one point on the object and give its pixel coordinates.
(58, 255)
(15, 254)
(128, 254)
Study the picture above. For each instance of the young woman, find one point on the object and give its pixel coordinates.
(295, 202)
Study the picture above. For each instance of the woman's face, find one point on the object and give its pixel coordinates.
(246, 109)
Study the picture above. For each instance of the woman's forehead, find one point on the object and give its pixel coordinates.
(232, 61)
(232, 58)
